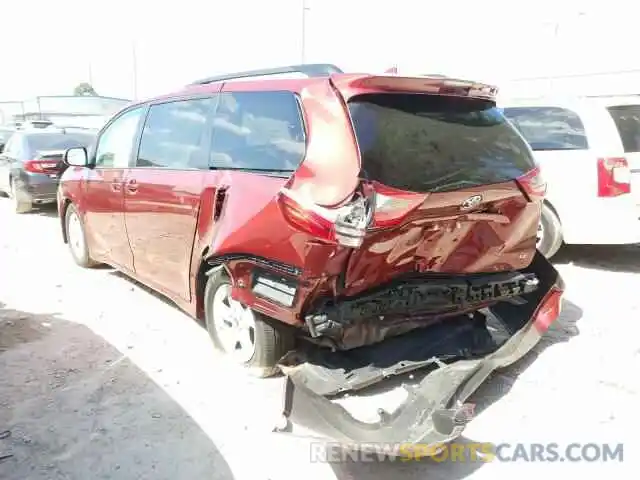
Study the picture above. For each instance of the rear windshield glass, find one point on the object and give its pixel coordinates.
(425, 143)
(58, 141)
(627, 119)
(549, 128)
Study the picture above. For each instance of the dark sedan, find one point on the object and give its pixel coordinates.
(31, 164)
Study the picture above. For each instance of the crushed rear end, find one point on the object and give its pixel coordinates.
(457, 356)
(404, 241)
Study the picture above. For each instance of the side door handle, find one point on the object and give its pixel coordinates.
(131, 186)
(116, 185)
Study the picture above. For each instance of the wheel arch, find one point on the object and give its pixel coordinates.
(62, 216)
(205, 270)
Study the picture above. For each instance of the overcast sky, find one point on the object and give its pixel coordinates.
(53, 47)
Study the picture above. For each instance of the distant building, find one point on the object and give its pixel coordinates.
(69, 110)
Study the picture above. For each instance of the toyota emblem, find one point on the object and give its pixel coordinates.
(471, 202)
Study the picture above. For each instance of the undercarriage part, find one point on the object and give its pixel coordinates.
(409, 304)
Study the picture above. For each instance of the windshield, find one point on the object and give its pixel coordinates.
(428, 143)
(58, 141)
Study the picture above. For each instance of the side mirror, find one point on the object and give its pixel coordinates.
(1, 147)
(76, 157)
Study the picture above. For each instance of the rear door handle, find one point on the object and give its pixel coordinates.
(116, 186)
(132, 186)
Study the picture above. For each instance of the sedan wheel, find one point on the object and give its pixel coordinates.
(19, 205)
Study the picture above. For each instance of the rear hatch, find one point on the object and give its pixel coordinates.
(456, 188)
(627, 120)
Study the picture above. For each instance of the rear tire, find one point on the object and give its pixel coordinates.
(550, 232)
(76, 238)
(269, 341)
(20, 205)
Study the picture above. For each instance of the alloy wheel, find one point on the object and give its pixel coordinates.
(234, 325)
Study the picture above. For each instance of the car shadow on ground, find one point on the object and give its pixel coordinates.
(72, 406)
(50, 211)
(491, 392)
(613, 258)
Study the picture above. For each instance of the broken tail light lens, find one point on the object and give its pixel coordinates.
(534, 184)
(549, 310)
(346, 225)
(614, 177)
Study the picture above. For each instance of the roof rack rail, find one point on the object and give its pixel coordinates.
(310, 70)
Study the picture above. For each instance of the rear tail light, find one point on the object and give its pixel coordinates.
(346, 225)
(614, 177)
(40, 166)
(534, 184)
(549, 310)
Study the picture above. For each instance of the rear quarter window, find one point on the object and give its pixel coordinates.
(549, 128)
(427, 143)
(258, 131)
(627, 120)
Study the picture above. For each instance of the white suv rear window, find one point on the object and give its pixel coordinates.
(549, 128)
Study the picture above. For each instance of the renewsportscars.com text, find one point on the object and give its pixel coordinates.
(469, 452)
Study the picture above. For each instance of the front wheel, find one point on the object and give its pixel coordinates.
(77, 239)
(244, 336)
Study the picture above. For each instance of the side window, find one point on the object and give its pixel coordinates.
(172, 135)
(258, 131)
(627, 120)
(116, 142)
(549, 128)
(14, 148)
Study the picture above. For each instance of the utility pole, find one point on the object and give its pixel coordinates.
(303, 39)
(134, 55)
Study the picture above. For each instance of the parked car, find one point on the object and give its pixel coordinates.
(341, 227)
(31, 164)
(589, 153)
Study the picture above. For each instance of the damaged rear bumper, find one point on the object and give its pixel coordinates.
(434, 411)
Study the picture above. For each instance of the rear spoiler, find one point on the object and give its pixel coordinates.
(432, 84)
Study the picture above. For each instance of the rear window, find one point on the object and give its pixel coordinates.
(58, 141)
(549, 128)
(627, 120)
(425, 143)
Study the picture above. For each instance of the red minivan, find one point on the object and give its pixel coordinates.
(339, 227)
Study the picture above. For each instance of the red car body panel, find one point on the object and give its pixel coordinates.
(177, 222)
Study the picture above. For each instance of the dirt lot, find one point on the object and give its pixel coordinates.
(101, 379)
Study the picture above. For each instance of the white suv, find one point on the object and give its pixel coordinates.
(588, 150)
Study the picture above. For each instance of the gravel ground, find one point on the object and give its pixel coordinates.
(100, 378)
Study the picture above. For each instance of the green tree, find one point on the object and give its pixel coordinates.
(84, 88)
